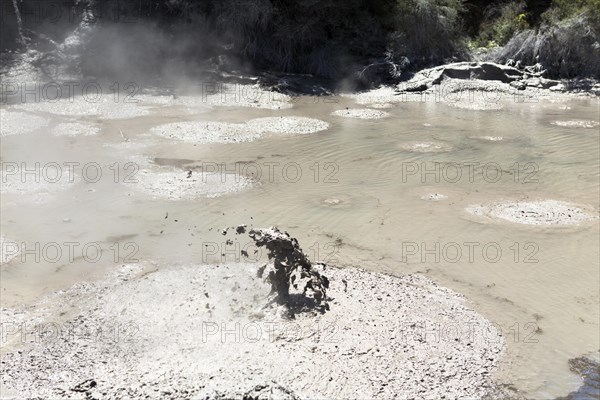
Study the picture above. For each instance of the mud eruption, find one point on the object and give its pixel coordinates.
(290, 267)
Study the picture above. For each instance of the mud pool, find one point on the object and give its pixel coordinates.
(390, 191)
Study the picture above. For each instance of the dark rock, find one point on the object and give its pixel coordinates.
(519, 85)
(589, 370)
(467, 71)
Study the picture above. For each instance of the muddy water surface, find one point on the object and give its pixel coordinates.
(387, 194)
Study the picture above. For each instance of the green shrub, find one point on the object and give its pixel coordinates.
(501, 22)
(565, 9)
(568, 49)
(427, 32)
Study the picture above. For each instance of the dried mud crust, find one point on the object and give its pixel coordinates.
(180, 184)
(361, 113)
(541, 212)
(18, 123)
(225, 132)
(203, 331)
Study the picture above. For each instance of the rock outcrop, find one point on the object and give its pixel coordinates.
(517, 78)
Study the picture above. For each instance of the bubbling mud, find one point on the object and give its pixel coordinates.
(434, 197)
(425, 147)
(488, 138)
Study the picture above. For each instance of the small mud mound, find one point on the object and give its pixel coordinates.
(361, 113)
(18, 123)
(545, 212)
(224, 132)
(105, 108)
(382, 95)
(425, 147)
(339, 201)
(287, 125)
(434, 197)
(187, 185)
(488, 138)
(237, 95)
(478, 105)
(202, 331)
(332, 202)
(588, 124)
(206, 132)
(75, 129)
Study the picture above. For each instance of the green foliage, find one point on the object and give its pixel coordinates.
(565, 9)
(566, 50)
(427, 31)
(501, 22)
(330, 38)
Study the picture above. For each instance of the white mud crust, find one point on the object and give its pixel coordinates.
(476, 105)
(238, 95)
(181, 185)
(287, 125)
(18, 123)
(381, 105)
(542, 212)
(205, 331)
(581, 123)
(361, 113)
(425, 147)
(224, 132)
(382, 95)
(332, 202)
(105, 107)
(221, 95)
(75, 129)
(206, 132)
(434, 197)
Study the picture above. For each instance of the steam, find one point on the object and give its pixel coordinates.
(19, 22)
